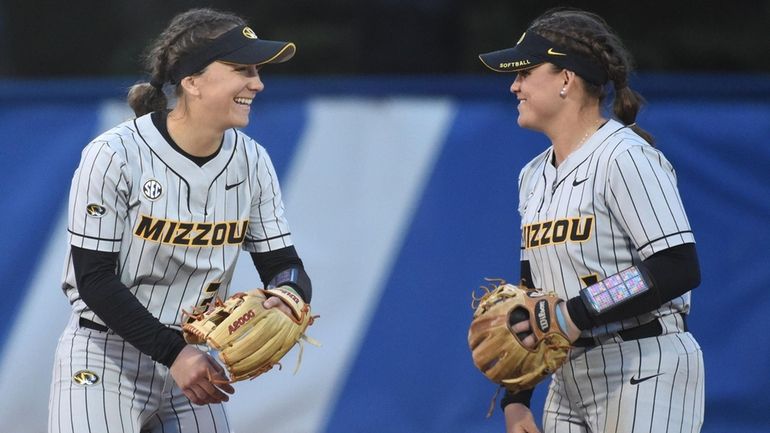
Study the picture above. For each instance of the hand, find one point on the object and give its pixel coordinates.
(276, 302)
(524, 332)
(519, 419)
(527, 338)
(194, 370)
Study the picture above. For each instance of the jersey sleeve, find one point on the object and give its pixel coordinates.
(268, 229)
(644, 199)
(98, 200)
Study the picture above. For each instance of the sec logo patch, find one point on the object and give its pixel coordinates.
(152, 189)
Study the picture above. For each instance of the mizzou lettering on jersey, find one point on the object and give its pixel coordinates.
(191, 234)
(558, 231)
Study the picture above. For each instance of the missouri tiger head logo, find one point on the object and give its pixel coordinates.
(249, 33)
(85, 378)
(95, 210)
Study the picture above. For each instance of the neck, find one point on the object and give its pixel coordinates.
(573, 133)
(193, 136)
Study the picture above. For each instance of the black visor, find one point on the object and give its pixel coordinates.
(239, 45)
(532, 50)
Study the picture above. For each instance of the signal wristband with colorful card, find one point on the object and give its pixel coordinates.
(614, 290)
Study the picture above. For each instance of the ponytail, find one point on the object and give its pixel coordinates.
(145, 98)
(626, 106)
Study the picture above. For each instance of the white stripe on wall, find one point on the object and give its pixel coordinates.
(350, 195)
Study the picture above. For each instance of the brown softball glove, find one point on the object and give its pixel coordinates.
(498, 351)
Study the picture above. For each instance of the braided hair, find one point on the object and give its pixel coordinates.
(185, 33)
(588, 34)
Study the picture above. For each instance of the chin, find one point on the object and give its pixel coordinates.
(240, 123)
(527, 122)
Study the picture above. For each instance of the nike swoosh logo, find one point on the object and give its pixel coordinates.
(555, 53)
(578, 182)
(228, 187)
(634, 380)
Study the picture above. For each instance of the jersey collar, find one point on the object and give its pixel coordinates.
(195, 176)
(576, 158)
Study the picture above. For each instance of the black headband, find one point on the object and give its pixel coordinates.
(532, 50)
(239, 45)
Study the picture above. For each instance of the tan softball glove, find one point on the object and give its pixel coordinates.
(250, 338)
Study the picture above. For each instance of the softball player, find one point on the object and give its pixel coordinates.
(159, 209)
(603, 226)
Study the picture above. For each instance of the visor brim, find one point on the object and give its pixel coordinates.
(510, 60)
(261, 52)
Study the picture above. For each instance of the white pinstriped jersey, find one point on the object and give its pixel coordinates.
(178, 227)
(611, 204)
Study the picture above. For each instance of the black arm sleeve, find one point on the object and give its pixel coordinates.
(101, 289)
(671, 272)
(270, 263)
(526, 275)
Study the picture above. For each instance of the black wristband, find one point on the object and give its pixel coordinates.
(271, 264)
(523, 397)
(296, 278)
(579, 314)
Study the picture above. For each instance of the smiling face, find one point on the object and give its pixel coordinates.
(226, 93)
(537, 90)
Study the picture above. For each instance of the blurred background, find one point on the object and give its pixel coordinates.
(398, 156)
(106, 38)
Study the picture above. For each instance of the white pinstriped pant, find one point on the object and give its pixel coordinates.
(132, 394)
(652, 384)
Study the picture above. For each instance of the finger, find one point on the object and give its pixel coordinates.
(276, 302)
(226, 387)
(195, 394)
(272, 302)
(190, 396)
(529, 341)
(202, 395)
(220, 380)
(213, 394)
(217, 376)
(522, 326)
(215, 365)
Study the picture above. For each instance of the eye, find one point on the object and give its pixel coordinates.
(524, 74)
(247, 70)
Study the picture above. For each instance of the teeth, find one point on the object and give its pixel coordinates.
(243, 101)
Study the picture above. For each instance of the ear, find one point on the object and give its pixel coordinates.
(569, 79)
(190, 85)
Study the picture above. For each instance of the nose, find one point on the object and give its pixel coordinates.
(256, 84)
(516, 85)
